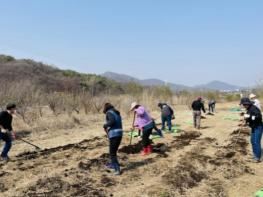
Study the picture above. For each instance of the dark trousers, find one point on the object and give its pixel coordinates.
(8, 143)
(114, 146)
(146, 137)
(167, 119)
(211, 108)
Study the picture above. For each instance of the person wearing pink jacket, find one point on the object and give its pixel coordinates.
(143, 122)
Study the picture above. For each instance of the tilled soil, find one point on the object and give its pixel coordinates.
(191, 164)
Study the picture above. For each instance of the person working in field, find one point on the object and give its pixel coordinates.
(113, 128)
(253, 119)
(167, 114)
(255, 101)
(6, 130)
(212, 106)
(197, 106)
(143, 122)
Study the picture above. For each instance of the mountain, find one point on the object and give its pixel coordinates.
(214, 85)
(219, 86)
(123, 78)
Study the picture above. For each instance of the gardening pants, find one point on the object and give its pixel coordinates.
(197, 119)
(146, 137)
(114, 146)
(6, 137)
(256, 136)
(167, 119)
(212, 108)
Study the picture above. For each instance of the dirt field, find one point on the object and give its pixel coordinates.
(211, 162)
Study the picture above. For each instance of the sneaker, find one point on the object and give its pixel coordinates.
(117, 173)
(5, 159)
(117, 169)
(255, 160)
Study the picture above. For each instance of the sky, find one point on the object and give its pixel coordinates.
(181, 41)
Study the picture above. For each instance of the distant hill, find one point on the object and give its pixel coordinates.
(219, 85)
(49, 78)
(122, 78)
(214, 85)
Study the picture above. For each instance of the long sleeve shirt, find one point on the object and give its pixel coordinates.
(6, 120)
(253, 117)
(198, 106)
(142, 117)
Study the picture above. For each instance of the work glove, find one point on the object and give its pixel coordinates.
(246, 116)
(4, 130)
(105, 127)
(13, 135)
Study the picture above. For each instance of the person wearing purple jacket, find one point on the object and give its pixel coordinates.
(143, 122)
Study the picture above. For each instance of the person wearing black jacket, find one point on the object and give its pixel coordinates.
(253, 118)
(167, 114)
(197, 106)
(113, 128)
(6, 130)
(212, 106)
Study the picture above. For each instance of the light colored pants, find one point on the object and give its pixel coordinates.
(197, 119)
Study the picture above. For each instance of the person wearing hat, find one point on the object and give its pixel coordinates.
(255, 101)
(167, 114)
(143, 122)
(6, 130)
(197, 106)
(113, 128)
(253, 118)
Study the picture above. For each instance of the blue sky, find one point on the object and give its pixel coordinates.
(187, 41)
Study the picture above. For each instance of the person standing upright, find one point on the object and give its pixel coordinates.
(167, 114)
(113, 128)
(197, 107)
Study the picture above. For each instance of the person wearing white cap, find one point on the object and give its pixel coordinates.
(255, 101)
(143, 122)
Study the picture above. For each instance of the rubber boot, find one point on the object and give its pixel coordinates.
(145, 151)
(150, 149)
